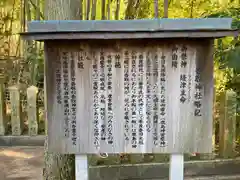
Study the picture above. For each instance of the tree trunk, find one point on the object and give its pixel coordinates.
(57, 166)
(62, 9)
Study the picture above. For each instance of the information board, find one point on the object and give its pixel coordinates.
(132, 98)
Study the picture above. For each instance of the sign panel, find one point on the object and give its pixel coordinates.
(130, 98)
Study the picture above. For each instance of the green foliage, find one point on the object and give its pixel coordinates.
(227, 66)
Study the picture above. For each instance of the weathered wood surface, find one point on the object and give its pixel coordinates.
(130, 97)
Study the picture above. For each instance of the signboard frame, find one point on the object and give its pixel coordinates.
(192, 126)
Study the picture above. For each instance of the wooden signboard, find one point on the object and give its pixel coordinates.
(130, 96)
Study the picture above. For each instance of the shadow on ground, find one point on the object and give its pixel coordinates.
(18, 163)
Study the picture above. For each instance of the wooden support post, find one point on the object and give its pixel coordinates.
(227, 124)
(81, 167)
(176, 167)
(16, 120)
(2, 108)
(32, 110)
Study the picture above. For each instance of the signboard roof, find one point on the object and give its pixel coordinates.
(129, 29)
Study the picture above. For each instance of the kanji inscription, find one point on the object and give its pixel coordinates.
(96, 113)
(110, 99)
(130, 99)
(58, 80)
(134, 114)
(126, 96)
(73, 101)
(66, 95)
(102, 95)
(141, 98)
(198, 94)
(162, 119)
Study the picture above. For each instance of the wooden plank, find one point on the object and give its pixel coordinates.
(32, 110)
(208, 79)
(131, 97)
(2, 107)
(16, 118)
(48, 90)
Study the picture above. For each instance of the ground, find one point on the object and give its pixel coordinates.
(18, 163)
